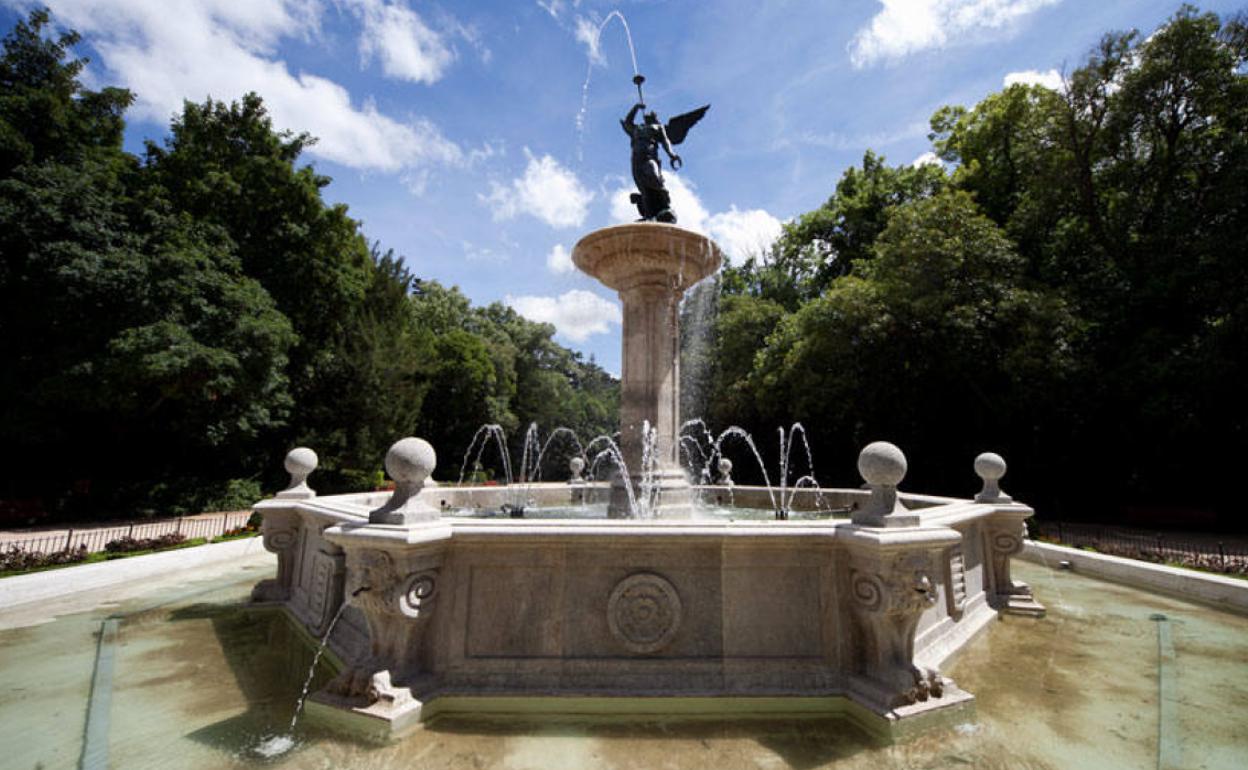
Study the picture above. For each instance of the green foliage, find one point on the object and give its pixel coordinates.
(822, 245)
(498, 367)
(45, 114)
(1074, 294)
(171, 325)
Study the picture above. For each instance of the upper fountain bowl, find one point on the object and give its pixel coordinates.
(647, 253)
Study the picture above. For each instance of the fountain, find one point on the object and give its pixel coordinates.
(651, 610)
(641, 616)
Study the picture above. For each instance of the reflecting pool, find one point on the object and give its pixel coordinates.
(181, 673)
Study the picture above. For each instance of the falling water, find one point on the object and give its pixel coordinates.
(483, 435)
(307, 683)
(736, 432)
(580, 448)
(276, 745)
(612, 452)
(697, 325)
(696, 438)
(589, 69)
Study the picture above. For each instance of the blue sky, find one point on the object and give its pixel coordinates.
(463, 136)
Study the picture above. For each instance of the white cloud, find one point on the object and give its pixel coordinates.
(476, 253)
(559, 260)
(577, 314)
(928, 158)
(553, 7)
(587, 33)
(744, 233)
(547, 191)
(685, 202)
(398, 36)
(223, 49)
(1051, 79)
(904, 27)
(739, 233)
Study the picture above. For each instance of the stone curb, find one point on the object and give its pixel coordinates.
(1225, 593)
(41, 586)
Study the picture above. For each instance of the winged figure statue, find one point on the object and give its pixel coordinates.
(652, 199)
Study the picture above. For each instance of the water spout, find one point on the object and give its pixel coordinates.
(589, 69)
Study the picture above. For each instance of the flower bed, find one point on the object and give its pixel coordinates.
(15, 559)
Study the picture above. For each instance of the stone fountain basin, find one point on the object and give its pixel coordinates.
(783, 615)
(625, 256)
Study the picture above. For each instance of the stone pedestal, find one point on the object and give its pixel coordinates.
(650, 265)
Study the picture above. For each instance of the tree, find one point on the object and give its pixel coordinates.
(45, 113)
(823, 245)
(135, 348)
(934, 342)
(171, 326)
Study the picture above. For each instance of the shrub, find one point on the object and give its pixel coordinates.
(16, 559)
(130, 544)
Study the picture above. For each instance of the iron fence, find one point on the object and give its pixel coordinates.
(96, 538)
(1201, 552)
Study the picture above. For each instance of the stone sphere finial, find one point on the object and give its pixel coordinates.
(883, 466)
(300, 462)
(409, 462)
(725, 471)
(576, 465)
(990, 467)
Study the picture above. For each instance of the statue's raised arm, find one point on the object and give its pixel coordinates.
(628, 121)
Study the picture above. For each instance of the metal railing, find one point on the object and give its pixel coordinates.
(96, 538)
(1207, 552)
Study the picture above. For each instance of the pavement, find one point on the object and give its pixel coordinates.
(58, 584)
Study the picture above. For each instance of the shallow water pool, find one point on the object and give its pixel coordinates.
(193, 678)
(702, 511)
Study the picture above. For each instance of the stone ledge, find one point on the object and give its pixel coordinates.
(1224, 593)
(50, 584)
(887, 728)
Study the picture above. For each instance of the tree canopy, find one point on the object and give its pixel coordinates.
(171, 324)
(1070, 288)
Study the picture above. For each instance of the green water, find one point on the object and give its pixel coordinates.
(199, 681)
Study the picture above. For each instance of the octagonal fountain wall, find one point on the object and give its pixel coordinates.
(643, 616)
(429, 612)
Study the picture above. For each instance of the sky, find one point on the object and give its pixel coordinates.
(480, 140)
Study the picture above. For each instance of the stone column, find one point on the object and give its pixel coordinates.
(650, 265)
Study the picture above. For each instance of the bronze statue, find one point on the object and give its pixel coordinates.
(652, 199)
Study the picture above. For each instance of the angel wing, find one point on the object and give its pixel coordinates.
(677, 128)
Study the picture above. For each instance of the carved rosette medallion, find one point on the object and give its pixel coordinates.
(644, 612)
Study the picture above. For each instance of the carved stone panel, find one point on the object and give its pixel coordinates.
(513, 611)
(325, 591)
(644, 612)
